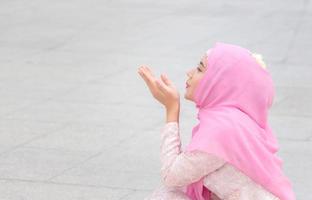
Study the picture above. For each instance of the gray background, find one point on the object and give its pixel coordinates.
(77, 121)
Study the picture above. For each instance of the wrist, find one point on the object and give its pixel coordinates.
(173, 108)
(172, 115)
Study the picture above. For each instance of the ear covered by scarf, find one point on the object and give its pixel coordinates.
(233, 99)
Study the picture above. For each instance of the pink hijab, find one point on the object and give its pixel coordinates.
(233, 99)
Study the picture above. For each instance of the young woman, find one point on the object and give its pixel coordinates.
(232, 152)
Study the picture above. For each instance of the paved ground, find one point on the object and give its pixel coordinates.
(77, 121)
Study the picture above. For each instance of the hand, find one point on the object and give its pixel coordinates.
(162, 89)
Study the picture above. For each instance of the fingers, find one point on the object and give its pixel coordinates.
(142, 71)
(148, 70)
(149, 80)
(162, 86)
(146, 73)
(142, 74)
(166, 80)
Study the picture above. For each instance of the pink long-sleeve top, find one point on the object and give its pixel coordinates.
(179, 169)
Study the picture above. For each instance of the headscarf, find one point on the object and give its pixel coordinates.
(233, 100)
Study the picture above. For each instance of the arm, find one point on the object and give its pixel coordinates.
(182, 168)
(172, 114)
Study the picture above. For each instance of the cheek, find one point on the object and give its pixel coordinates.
(196, 81)
(193, 86)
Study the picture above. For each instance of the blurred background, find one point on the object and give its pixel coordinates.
(78, 122)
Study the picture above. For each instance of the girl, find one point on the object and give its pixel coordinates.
(232, 152)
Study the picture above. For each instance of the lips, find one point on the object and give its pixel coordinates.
(187, 85)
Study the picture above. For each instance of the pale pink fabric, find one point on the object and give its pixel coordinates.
(179, 169)
(233, 99)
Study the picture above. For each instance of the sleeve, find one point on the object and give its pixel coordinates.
(183, 168)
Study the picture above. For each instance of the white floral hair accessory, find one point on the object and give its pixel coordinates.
(259, 60)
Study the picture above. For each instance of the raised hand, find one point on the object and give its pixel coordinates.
(162, 89)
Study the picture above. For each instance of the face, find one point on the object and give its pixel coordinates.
(194, 76)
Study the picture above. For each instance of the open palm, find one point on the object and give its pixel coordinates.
(162, 89)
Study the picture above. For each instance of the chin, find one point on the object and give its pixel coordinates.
(186, 96)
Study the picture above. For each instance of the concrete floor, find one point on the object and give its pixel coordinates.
(77, 121)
